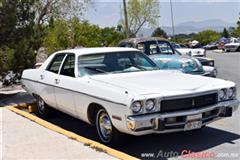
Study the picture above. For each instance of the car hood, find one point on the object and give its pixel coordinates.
(165, 83)
(176, 62)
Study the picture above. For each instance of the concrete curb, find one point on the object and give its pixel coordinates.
(88, 142)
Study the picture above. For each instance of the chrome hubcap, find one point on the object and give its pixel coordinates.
(105, 126)
(41, 105)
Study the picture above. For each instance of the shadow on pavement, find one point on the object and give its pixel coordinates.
(16, 98)
(196, 141)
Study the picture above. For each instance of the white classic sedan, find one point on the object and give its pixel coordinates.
(121, 90)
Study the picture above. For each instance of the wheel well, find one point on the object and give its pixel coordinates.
(93, 108)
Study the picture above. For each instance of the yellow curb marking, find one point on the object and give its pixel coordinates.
(88, 142)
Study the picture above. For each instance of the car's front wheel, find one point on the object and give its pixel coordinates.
(43, 110)
(107, 133)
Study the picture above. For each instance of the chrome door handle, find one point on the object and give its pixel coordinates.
(41, 77)
(57, 81)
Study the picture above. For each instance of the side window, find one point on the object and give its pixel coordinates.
(56, 63)
(68, 66)
(165, 48)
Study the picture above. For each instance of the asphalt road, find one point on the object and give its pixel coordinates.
(228, 65)
(221, 138)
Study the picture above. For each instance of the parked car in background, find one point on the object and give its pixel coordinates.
(184, 64)
(195, 52)
(121, 90)
(140, 42)
(205, 61)
(211, 46)
(233, 46)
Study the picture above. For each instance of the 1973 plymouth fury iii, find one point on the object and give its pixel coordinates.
(121, 90)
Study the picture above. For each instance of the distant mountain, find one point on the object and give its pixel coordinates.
(192, 27)
(206, 23)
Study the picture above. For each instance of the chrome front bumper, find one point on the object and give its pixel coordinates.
(175, 121)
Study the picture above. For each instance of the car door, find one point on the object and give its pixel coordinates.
(65, 85)
(47, 80)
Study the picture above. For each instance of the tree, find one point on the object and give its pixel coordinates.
(24, 25)
(207, 36)
(59, 9)
(225, 33)
(140, 13)
(236, 31)
(16, 23)
(158, 32)
(73, 33)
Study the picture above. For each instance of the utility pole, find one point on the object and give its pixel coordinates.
(173, 31)
(126, 18)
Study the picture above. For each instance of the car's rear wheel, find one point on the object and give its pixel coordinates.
(43, 110)
(107, 133)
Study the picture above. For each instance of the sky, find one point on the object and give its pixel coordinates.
(107, 12)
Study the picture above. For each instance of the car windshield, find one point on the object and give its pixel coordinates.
(185, 65)
(155, 47)
(116, 62)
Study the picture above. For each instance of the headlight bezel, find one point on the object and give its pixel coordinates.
(138, 110)
(151, 107)
(144, 109)
(222, 94)
(227, 95)
(233, 93)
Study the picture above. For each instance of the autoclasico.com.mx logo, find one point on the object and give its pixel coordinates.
(185, 154)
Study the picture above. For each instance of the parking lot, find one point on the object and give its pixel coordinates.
(221, 138)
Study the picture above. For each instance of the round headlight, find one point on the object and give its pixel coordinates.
(221, 95)
(211, 63)
(136, 107)
(231, 93)
(150, 104)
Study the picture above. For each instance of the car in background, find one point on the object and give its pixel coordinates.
(195, 52)
(122, 91)
(183, 64)
(166, 57)
(203, 59)
(211, 46)
(233, 46)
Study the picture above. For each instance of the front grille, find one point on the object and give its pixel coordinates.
(188, 103)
